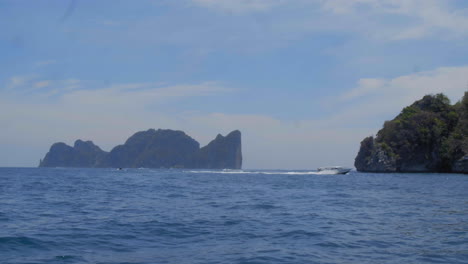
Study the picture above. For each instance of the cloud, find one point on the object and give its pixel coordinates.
(19, 81)
(365, 87)
(241, 6)
(110, 114)
(346, 6)
(75, 91)
(260, 26)
(22, 86)
(42, 84)
(421, 18)
(376, 100)
(66, 109)
(142, 94)
(452, 81)
(381, 19)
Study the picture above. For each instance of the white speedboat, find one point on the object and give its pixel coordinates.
(333, 170)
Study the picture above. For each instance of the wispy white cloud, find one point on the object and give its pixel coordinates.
(42, 84)
(365, 87)
(254, 26)
(94, 92)
(19, 81)
(452, 81)
(426, 17)
(381, 19)
(376, 99)
(241, 6)
(21, 86)
(140, 94)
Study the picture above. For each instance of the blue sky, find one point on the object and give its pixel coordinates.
(304, 80)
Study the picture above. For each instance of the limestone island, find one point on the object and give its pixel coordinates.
(162, 148)
(431, 135)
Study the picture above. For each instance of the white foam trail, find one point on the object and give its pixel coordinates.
(259, 172)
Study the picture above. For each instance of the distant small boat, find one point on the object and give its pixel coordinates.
(334, 170)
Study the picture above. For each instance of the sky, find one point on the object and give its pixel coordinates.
(303, 80)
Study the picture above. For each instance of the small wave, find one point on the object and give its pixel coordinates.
(4, 217)
(69, 258)
(19, 243)
(260, 260)
(176, 195)
(329, 244)
(265, 206)
(232, 222)
(297, 234)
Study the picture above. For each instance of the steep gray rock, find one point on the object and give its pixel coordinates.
(82, 154)
(222, 153)
(162, 148)
(372, 157)
(461, 165)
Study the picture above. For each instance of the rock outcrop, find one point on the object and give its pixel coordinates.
(162, 148)
(222, 152)
(431, 135)
(82, 155)
(372, 157)
(461, 165)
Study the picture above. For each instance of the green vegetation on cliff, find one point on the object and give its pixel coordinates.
(429, 135)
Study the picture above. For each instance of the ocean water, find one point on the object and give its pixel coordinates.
(181, 216)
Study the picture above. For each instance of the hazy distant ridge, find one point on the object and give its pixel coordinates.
(162, 148)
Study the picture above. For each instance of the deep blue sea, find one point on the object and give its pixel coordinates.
(180, 216)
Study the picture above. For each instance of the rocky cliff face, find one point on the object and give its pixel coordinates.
(372, 157)
(162, 148)
(82, 154)
(429, 136)
(461, 165)
(222, 152)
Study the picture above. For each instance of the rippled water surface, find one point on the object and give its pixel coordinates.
(176, 216)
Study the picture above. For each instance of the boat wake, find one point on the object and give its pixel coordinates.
(260, 172)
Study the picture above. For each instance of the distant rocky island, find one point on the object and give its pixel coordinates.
(162, 148)
(431, 135)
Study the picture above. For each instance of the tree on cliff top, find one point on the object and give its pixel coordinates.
(430, 134)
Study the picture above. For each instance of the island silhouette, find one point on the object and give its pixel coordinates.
(162, 148)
